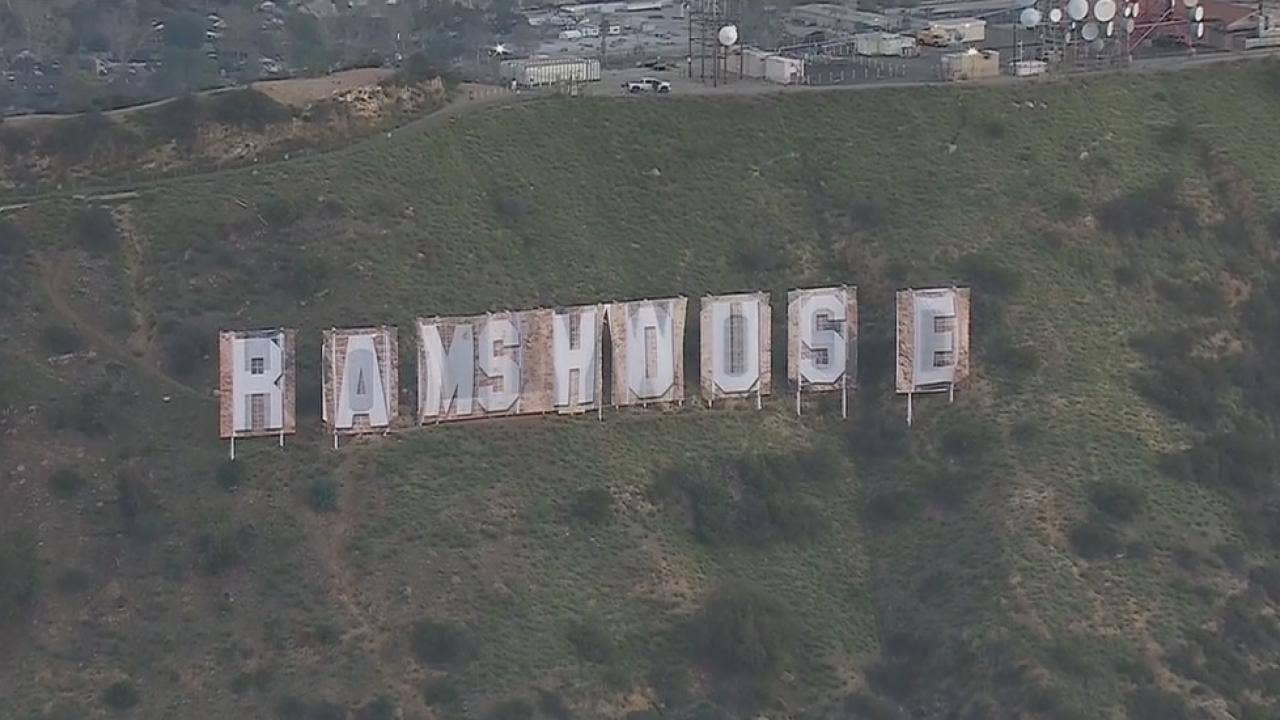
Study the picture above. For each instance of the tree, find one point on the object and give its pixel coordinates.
(184, 31)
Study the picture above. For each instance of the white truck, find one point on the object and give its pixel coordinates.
(635, 87)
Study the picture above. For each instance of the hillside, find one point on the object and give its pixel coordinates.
(1092, 530)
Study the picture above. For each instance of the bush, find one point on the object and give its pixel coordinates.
(246, 108)
(1154, 703)
(323, 495)
(590, 640)
(186, 345)
(969, 439)
(892, 505)
(1094, 539)
(511, 709)
(88, 413)
(120, 695)
(1146, 210)
(379, 709)
(1117, 500)
(96, 230)
(220, 548)
(874, 435)
(11, 239)
(140, 510)
(593, 505)
(230, 474)
(758, 257)
(19, 573)
(552, 705)
(307, 275)
(441, 691)
(512, 209)
(61, 340)
(439, 643)
(65, 482)
(744, 630)
(987, 273)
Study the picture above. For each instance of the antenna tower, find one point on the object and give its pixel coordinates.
(708, 56)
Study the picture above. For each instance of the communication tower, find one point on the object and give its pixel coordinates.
(713, 30)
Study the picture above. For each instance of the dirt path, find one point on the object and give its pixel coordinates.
(52, 276)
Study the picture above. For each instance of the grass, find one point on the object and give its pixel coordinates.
(474, 566)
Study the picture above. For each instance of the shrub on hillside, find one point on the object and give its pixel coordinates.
(1146, 210)
(552, 705)
(186, 344)
(1117, 500)
(229, 474)
(60, 339)
(378, 709)
(758, 257)
(891, 505)
(1244, 459)
(307, 275)
(323, 495)
(744, 630)
(969, 440)
(121, 695)
(245, 108)
(1151, 702)
(140, 510)
(754, 500)
(511, 709)
(442, 691)
(439, 643)
(1093, 539)
(590, 640)
(221, 547)
(96, 229)
(987, 273)
(876, 434)
(19, 573)
(11, 239)
(65, 482)
(593, 505)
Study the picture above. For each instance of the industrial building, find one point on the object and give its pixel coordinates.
(972, 64)
(884, 44)
(535, 72)
(762, 65)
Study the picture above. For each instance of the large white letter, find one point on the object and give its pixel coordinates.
(362, 391)
(735, 345)
(257, 383)
(442, 376)
(935, 340)
(823, 343)
(650, 350)
(571, 358)
(498, 334)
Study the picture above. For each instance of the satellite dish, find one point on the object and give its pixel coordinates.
(1137, 9)
(1079, 9)
(1030, 18)
(1096, 46)
(1188, 4)
(1198, 13)
(1199, 30)
(1111, 29)
(1090, 31)
(1104, 10)
(729, 34)
(1126, 10)
(1055, 15)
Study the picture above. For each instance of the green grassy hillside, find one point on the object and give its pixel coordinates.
(1092, 530)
